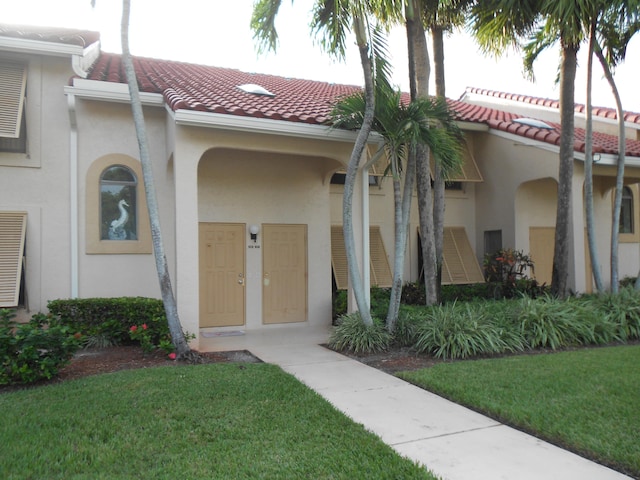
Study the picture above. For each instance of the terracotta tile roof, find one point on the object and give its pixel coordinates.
(214, 89)
(504, 121)
(67, 36)
(603, 112)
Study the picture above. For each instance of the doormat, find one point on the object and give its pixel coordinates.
(230, 333)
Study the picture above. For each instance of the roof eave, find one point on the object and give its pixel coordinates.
(21, 45)
(110, 92)
(266, 126)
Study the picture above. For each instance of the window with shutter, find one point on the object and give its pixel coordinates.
(381, 275)
(13, 227)
(459, 263)
(13, 83)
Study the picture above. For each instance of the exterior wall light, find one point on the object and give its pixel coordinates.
(253, 232)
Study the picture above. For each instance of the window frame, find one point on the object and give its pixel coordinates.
(31, 114)
(634, 235)
(94, 243)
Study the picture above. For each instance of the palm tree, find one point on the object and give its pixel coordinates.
(403, 127)
(441, 16)
(177, 335)
(332, 20)
(498, 24)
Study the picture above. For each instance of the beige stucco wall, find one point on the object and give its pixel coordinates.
(38, 183)
(105, 129)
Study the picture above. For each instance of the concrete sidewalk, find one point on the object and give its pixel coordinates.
(453, 442)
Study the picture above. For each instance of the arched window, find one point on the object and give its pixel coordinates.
(626, 211)
(116, 210)
(118, 204)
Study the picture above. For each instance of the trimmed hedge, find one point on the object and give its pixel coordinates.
(109, 320)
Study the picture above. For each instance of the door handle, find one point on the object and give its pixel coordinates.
(240, 279)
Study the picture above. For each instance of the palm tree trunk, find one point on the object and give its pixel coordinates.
(564, 214)
(617, 203)
(419, 71)
(588, 170)
(352, 171)
(402, 202)
(438, 181)
(168, 299)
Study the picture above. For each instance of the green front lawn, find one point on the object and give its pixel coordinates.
(586, 400)
(195, 422)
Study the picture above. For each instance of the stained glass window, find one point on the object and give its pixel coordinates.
(118, 204)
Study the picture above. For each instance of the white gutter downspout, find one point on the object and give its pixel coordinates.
(73, 192)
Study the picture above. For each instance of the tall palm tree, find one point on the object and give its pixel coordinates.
(498, 24)
(403, 127)
(177, 335)
(620, 21)
(331, 22)
(441, 16)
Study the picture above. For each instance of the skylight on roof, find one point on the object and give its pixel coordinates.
(532, 122)
(256, 89)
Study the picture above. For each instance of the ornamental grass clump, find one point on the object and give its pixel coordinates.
(458, 331)
(352, 334)
(547, 322)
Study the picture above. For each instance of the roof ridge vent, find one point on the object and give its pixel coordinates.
(256, 89)
(532, 122)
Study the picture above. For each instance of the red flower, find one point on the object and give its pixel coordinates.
(172, 356)
(144, 326)
(133, 329)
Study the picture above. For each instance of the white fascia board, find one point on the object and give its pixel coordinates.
(265, 125)
(472, 126)
(110, 92)
(22, 45)
(605, 158)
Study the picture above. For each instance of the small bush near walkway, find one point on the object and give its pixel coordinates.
(33, 351)
(487, 327)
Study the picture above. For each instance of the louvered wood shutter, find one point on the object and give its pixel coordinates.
(380, 270)
(469, 171)
(460, 264)
(339, 258)
(13, 82)
(13, 226)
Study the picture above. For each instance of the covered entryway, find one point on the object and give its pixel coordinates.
(284, 285)
(222, 274)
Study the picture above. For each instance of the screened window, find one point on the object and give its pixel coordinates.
(118, 204)
(626, 211)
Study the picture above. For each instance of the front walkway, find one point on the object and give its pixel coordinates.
(452, 441)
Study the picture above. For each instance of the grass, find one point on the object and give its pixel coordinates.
(204, 421)
(584, 400)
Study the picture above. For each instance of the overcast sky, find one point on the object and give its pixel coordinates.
(216, 32)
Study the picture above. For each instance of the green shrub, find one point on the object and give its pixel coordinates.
(33, 351)
(457, 331)
(620, 310)
(407, 325)
(339, 304)
(104, 321)
(547, 322)
(352, 334)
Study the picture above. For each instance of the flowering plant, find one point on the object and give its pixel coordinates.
(143, 335)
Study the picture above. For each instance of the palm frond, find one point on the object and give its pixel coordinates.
(263, 24)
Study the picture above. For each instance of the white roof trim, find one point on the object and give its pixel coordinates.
(38, 46)
(265, 125)
(110, 92)
(605, 158)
